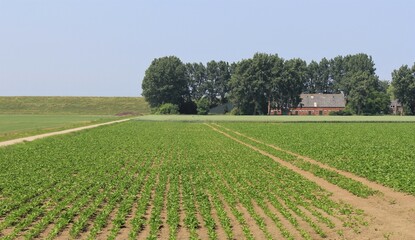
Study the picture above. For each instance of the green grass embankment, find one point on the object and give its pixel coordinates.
(74, 105)
(27, 116)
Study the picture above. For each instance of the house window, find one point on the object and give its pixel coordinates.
(309, 112)
(320, 112)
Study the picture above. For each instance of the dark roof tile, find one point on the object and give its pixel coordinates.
(322, 100)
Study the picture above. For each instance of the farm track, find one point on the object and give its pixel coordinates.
(159, 189)
(32, 138)
(391, 214)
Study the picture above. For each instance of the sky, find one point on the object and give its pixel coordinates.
(103, 47)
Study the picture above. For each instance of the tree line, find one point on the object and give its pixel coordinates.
(267, 81)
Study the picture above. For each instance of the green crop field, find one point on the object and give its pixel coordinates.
(382, 152)
(232, 118)
(181, 180)
(17, 126)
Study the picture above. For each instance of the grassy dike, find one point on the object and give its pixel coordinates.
(27, 116)
(74, 105)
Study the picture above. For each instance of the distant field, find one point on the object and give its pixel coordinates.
(17, 126)
(231, 118)
(26, 116)
(74, 105)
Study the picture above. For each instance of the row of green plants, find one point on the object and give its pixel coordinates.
(381, 152)
(143, 177)
(353, 186)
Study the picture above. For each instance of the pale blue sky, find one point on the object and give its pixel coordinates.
(102, 47)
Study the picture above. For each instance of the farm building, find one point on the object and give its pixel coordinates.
(396, 107)
(317, 104)
(221, 109)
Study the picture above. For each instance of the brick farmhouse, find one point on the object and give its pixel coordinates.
(317, 104)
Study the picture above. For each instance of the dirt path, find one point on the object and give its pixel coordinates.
(391, 214)
(31, 138)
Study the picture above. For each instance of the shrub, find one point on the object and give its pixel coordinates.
(345, 112)
(235, 111)
(168, 108)
(203, 106)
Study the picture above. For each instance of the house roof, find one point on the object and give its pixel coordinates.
(322, 100)
(221, 109)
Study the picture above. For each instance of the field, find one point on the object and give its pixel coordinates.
(74, 105)
(294, 119)
(178, 180)
(17, 126)
(27, 116)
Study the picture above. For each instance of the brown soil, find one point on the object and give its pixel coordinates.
(46, 232)
(250, 222)
(106, 231)
(146, 230)
(164, 231)
(287, 225)
(270, 225)
(236, 226)
(220, 232)
(182, 232)
(202, 232)
(391, 214)
(6, 231)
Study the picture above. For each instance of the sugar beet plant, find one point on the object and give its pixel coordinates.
(159, 180)
(381, 152)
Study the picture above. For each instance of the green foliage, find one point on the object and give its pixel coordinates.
(258, 83)
(210, 81)
(197, 77)
(367, 96)
(168, 108)
(203, 106)
(165, 82)
(403, 82)
(345, 112)
(235, 111)
(216, 85)
(266, 82)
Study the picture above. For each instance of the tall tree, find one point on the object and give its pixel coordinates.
(368, 95)
(255, 82)
(291, 84)
(313, 77)
(403, 82)
(242, 91)
(318, 77)
(196, 75)
(326, 83)
(342, 70)
(165, 81)
(222, 82)
(216, 86)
